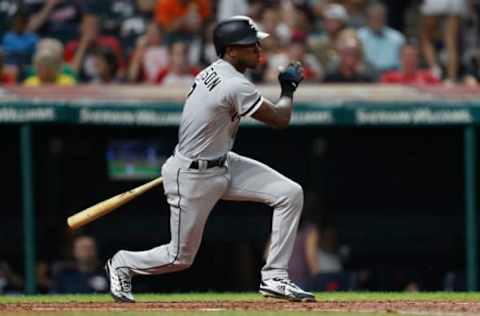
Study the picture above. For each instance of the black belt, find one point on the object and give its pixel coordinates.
(219, 162)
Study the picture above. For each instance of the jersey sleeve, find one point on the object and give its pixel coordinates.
(245, 98)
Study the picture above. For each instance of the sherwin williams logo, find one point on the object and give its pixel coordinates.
(417, 116)
(126, 117)
(17, 114)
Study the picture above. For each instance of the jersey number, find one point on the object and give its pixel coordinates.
(192, 89)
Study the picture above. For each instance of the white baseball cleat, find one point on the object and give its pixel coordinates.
(283, 288)
(120, 284)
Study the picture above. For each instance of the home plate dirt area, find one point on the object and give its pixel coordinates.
(384, 306)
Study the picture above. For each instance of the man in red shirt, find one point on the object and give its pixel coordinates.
(409, 72)
(6, 78)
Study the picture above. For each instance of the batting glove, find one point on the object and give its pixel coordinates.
(290, 78)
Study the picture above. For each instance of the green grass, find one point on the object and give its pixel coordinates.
(331, 296)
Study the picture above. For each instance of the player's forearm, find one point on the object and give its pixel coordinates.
(283, 111)
(276, 115)
(284, 105)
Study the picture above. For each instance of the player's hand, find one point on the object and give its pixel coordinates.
(290, 77)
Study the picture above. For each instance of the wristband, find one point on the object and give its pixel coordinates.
(287, 89)
(287, 93)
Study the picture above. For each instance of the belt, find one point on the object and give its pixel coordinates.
(219, 162)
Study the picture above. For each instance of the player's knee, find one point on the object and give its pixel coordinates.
(179, 266)
(292, 195)
(296, 194)
(184, 263)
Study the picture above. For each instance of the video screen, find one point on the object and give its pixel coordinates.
(132, 159)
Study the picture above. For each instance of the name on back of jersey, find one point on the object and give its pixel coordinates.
(210, 78)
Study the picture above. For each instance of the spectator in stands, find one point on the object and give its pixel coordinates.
(329, 259)
(451, 12)
(472, 69)
(296, 50)
(137, 24)
(149, 56)
(182, 17)
(297, 16)
(84, 274)
(381, 44)
(335, 18)
(316, 262)
(356, 10)
(271, 22)
(398, 14)
(48, 65)
(19, 43)
(55, 18)
(54, 45)
(44, 282)
(179, 71)
(351, 67)
(10, 282)
(6, 77)
(202, 50)
(127, 19)
(409, 72)
(255, 8)
(106, 65)
(331, 276)
(303, 263)
(229, 8)
(79, 53)
(112, 13)
(7, 11)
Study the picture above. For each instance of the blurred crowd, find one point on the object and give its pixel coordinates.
(80, 271)
(164, 42)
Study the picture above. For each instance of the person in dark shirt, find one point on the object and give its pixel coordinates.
(55, 18)
(8, 8)
(106, 65)
(84, 275)
(125, 19)
(351, 68)
(10, 282)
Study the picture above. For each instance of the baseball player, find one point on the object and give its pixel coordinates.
(203, 169)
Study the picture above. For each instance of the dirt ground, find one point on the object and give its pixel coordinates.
(422, 307)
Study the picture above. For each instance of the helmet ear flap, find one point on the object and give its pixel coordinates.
(222, 53)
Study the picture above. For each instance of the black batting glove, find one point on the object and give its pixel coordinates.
(290, 78)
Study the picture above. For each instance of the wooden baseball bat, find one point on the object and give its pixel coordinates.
(100, 209)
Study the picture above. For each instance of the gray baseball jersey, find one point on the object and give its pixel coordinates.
(219, 97)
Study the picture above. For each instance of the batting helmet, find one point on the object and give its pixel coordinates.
(237, 30)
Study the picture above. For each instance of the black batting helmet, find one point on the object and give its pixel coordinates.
(237, 30)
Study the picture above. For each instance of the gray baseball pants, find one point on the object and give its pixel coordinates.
(192, 194)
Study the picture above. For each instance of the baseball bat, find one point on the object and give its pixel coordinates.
(100, 209)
